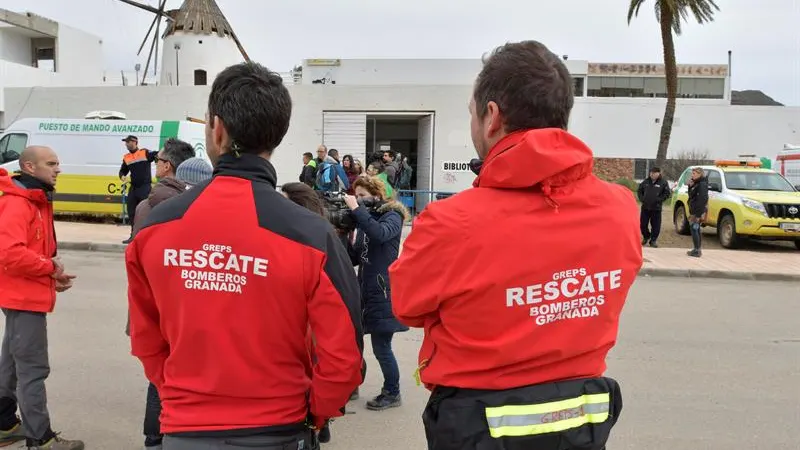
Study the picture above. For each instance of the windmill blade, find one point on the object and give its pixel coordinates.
(149, 30)
(239, 45)
(149, 57)
(155, 39)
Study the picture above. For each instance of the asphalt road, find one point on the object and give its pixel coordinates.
(703, 364)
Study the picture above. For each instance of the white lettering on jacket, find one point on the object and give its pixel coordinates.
(569, 294)
(215, 267)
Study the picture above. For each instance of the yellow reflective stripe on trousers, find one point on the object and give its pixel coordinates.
(551, 417)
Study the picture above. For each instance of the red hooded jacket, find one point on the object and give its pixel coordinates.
(27, 244)
(521, 279)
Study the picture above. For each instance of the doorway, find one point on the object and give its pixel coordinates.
(366, 135)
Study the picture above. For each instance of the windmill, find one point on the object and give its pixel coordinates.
(202, 39)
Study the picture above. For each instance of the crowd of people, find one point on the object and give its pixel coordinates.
(328, 173)
(248, 317)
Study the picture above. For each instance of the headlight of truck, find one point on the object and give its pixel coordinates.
(752, 204)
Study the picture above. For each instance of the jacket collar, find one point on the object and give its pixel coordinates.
(247, 166)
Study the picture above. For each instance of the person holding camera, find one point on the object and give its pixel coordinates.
(379, 226)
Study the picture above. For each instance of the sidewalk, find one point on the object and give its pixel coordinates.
(671, 262)
(733, 264)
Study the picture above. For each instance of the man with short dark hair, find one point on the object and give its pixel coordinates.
(136, 165)
(172, 156)
(309, 171)
(30, 276)
(390, 167)
(653, 192)
(519, 282)
(218, 309)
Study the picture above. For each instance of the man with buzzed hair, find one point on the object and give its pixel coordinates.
(30, 277)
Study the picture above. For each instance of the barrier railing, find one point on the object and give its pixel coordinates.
(416, 200)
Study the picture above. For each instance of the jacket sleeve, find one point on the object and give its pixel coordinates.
(343, 176)
(640, 191)
(124, 170)
(15, 256)
(702, 196)
(334, 311)
(666, 192)
(151, 155)
(147, 342)
(421, 276)
(389, 227)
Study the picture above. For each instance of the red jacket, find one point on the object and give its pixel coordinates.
(521, 279)
(27, 244)
(224, 281)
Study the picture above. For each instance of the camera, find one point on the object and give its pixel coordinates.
(338, 213)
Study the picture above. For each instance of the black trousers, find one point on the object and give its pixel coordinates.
(152, 413)
(135, 196)
(455, 419)
(650, 223)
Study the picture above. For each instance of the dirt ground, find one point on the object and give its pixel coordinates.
(670, 239)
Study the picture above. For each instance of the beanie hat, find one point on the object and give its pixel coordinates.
(194, 171)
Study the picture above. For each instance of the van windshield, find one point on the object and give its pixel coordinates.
(11, 146)
(757, 181)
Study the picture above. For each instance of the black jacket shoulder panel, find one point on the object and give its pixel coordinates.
(174, 208)
(282, 216)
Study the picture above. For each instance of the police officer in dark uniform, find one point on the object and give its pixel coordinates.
(138, 164)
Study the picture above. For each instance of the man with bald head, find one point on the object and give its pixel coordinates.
(30, 277)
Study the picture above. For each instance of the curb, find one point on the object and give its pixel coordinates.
(644, 272)
(92, 247)
(719, 274)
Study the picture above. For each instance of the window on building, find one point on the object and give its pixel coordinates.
(577, 84)
(654, 87)
(200, 77)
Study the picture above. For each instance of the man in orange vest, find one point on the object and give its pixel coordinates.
(138, 164)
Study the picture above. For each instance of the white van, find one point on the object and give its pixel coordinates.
(91, 154)
(788, 163)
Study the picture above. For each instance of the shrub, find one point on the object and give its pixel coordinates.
(628, 183)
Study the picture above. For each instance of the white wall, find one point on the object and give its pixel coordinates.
(15, 47)
(207, 52)
(613, 127)
(79, 57)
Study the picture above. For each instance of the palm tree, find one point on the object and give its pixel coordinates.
(671, 14)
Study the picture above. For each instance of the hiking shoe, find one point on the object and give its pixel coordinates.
(694, 253)
(644, 241)
(653, 244)
(58, 443)
(354, 395)
(384, 401)
(12, 435)
(324, 435)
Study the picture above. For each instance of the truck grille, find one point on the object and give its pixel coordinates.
(782, 210)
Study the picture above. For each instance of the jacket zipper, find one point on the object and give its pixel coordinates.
(48, 250)
(425, 362)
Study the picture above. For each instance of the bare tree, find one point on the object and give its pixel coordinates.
(673, 167)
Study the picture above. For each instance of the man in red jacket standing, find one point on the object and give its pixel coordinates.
(224, 282)
(30, 276)
(519, 282)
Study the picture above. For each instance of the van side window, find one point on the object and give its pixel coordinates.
(11, 146)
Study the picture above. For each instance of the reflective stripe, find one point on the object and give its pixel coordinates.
(134, 161)
(551, 417)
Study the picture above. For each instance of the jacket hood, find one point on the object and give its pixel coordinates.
(545, 158)
(331, 159)
(9, 186)
(166, 188)
(394, 205)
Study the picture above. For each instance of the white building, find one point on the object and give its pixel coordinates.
(36, 52)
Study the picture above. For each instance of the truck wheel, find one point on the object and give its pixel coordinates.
(797, 244)
(726, 231)
(681, 221)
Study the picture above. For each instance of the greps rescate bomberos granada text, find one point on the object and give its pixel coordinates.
(215, 267)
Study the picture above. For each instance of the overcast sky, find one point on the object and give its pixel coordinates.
(280, 33)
